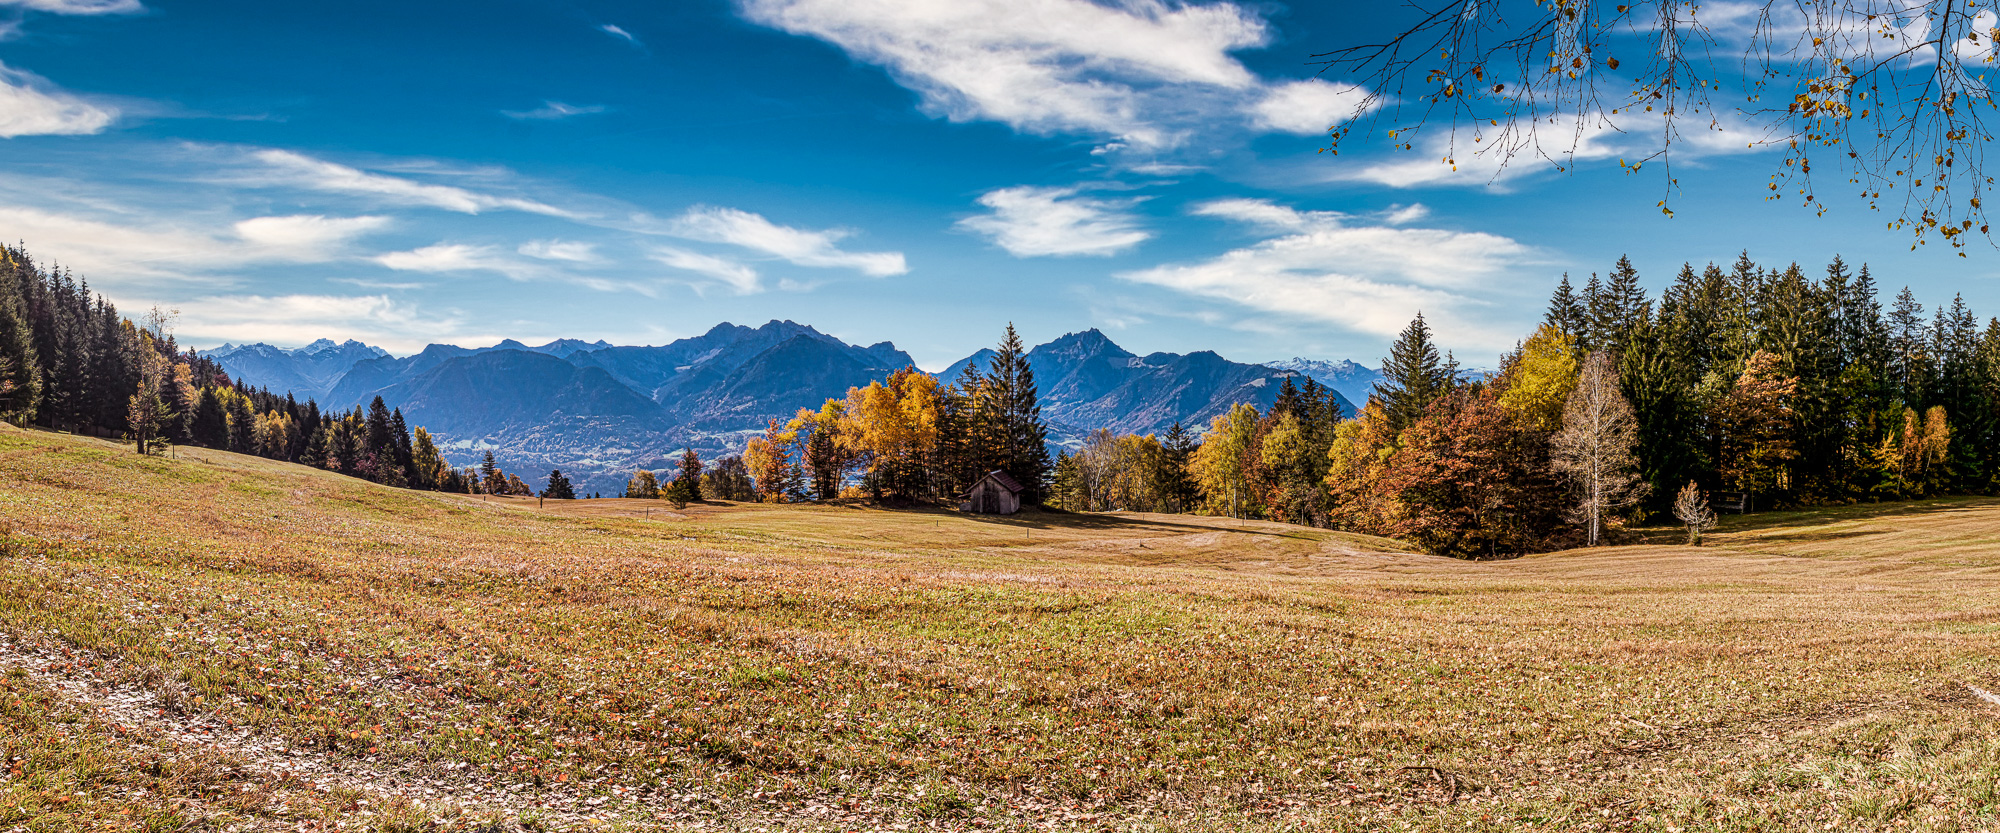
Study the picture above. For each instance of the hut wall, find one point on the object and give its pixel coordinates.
(990, 498)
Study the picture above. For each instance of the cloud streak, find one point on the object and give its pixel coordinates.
(620, 33)
(1028, 221)
(737, 276)
(735, 227)
(553, 111)
(1041, 66)
(299, 318)
(446, 258)
(1326, 267)
(30, 106)
(124, 253)
(79, 7)
(286, 168)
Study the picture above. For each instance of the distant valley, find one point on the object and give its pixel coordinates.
(599, 411)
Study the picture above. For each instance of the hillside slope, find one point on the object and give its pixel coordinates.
(222, 642)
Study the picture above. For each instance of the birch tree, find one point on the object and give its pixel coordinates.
(1594, 447)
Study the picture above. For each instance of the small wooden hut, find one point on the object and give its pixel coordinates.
(995, 494)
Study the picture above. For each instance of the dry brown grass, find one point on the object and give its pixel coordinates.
(467, 663)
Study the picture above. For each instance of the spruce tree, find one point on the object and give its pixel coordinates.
(21, 376)
(558, 488)
(1909, 351)
(1595, 303)
(211, 424)
(1618, 308)
(242, 425)
(1015, 435)
(1566, 312)
(1413, 375)
(399, 431)
(1177, 483)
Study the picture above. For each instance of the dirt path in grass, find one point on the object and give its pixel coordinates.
(160, 720)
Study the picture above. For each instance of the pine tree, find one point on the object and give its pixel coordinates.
(1909, 355)
(1016, 438)
(242, 424)
(1413, 375)
(380, 446)
(491, 478)
(21, 375)
(1617, 308)
(406, 452)
(1566, 312)
(1177, 483)
(211, 423)
(1063, 485)
(558, 488)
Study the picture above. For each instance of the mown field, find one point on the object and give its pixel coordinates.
(219, 642)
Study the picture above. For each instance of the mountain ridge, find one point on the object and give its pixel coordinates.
(598, 411)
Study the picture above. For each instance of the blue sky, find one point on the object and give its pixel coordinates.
(920, 171)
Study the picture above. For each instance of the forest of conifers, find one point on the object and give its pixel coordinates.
(1767, 383)
(1790, 389)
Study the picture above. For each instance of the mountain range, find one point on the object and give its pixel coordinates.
(308, 372)
(599, 411)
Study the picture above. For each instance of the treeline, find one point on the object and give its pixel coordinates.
(727, 479)
(70, 362)
(1776, 388)
(911, 438)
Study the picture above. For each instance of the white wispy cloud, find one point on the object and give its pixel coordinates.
(120, 251)
(30, 106)
(553, 110)
(306, 236)
(287, 168)
(1135, 71)
(1031, 221)
(620, 34)
(1306, 107)
(299, 318)
(738, 276)
(801, 247)
(1328, 267)
(84, 7)
(571, 251)
(1496, 164)
(459, 257)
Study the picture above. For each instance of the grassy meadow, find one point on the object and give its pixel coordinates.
(219, 642)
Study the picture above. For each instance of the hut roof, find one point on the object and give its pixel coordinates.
(1005, 480)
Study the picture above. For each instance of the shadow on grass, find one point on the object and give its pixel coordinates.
(1820, 516)
(1032, 518)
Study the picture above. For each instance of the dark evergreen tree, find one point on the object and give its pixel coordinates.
(1014, 433)
(210, 426)
(1909, 351)
(1177, 483)
(242, 425)
(1414, 375)
(399, 431)
(1566, 311)
(558, 488)
(20, 374)
(1617, 308)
